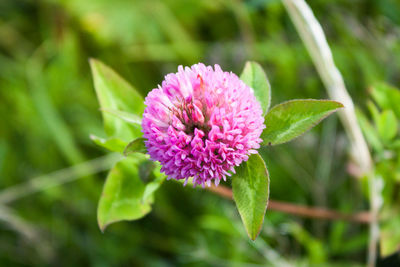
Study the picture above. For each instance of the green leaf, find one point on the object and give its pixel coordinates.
(374, 111)
(291, 119)
(390, 235)
(369, 132)
(315, 247)
(126, 116)
(387, 125)
(125, 194)
(115, 94)
(250, 186)
(112, 143)
(387, 97)
(155, 183)
(254, 76)
(136, 145)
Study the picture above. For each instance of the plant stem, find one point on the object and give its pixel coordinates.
(300, 210)
(104, 163)
(314, 39)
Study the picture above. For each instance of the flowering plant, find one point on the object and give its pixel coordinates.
(200, 126)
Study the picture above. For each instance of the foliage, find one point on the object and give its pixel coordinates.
(382, 133)
(250, 186)
(48, 109)
(128, 191)
(254, 76)
(124, 197)
(291, 119)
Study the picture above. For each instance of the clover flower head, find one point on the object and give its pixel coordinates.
(201, 123)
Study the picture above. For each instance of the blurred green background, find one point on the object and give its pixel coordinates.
(48, 109)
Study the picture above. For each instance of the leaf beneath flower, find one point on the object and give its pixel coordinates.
(136, 145)
(111, 143)
(125, 195)
(250, 186)
(291, 119)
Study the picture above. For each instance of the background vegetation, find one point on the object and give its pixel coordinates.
(48, 109)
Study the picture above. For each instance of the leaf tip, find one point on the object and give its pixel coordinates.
(339, 104)
(102, 226)
(126, 151)
(92, 62)
(253, 236)
(247, 64)
(96, 65)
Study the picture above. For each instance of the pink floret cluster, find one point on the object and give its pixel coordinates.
(201, 123)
